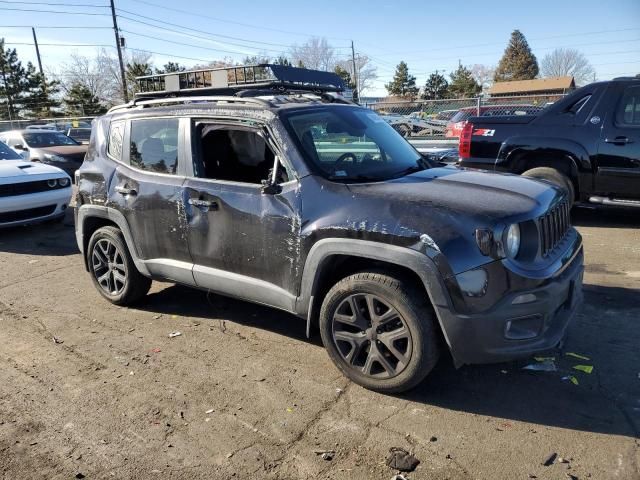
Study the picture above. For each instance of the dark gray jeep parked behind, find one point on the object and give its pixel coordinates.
(271, 189)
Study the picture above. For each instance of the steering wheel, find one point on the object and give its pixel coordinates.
(341, 159)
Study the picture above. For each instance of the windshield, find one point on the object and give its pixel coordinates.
(7, 154)
(352, 144)
(47, 139)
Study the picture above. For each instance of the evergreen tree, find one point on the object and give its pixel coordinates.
(23, 92)
(348, 81)
(80, 101)
(170, 67)
(436, 87)
(518, 62)
(134, 70)
(281, 60)
(403, 84)
(463, 85)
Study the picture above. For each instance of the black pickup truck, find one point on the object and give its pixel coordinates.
(587, 143)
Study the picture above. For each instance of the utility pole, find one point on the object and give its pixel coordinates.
(355, 75)
(125, 94)
(435, 93)
(35, 41)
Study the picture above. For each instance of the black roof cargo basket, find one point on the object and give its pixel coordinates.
(230, 80)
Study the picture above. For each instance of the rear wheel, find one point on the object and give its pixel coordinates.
(556, 177)
(112, 269)
(379, 331)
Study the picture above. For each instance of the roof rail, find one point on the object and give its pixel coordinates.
(637, 77)
(228, 80)
(142, 102)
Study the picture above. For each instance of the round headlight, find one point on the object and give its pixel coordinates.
(63, 182)
(512, 241)
(52, 183)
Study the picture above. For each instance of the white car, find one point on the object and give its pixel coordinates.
(30, 192)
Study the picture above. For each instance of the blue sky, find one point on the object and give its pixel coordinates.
(427, 35)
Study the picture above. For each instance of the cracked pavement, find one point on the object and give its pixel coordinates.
(243, 394)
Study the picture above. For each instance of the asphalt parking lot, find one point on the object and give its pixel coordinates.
(89, 389)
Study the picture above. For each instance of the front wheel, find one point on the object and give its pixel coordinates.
(380, 331)
(112, 269)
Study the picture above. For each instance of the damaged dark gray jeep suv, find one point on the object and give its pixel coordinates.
(262, 184)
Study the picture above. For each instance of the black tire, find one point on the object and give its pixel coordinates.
(556, 177)
(420, 348)
(133, 287)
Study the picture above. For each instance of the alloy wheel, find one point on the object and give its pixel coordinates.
(108, 266)
(371, 336)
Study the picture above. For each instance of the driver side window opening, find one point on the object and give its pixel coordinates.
(234, 154)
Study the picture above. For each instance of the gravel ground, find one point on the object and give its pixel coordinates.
(89, 389)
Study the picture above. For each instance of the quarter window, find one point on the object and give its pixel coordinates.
(154, 144)
(116, 133)
(629, 110)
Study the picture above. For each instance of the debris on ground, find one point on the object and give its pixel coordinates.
(433, 439)
(175, 334)
(563, 460)
(546, 366)
(544, 359)
(550, 460)
(325, 454)
(209, 411)
(156, 350)
(583, 368)
(577, 355)
(57, 340)
(572, 379)
(400, 459)
(399, 477)
(79, 475)
(229, 455)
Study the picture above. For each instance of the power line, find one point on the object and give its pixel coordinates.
(502, 43)
(43, 26)
(193, 29)
(231, 21)
(55, 12)
(54, 4)
(60, 44)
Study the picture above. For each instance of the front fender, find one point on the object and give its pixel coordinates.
(421, 263)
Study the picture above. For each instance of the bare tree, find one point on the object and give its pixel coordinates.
(365, 72)
(315, 53)
(483, 74)
(90, 74)
(564, 62)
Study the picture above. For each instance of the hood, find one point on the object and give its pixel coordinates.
(483, 195)
(448, 204)
(16, 171)
(66, 150)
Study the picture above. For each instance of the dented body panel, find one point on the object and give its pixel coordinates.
(274, 248)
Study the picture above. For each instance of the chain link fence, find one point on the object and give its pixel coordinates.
(61, 124)
(437, 119)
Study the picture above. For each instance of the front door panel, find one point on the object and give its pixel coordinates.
(237, 229)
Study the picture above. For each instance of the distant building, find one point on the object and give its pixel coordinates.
(538, 86)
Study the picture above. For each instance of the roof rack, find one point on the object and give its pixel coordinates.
(147, 101)
(230, 80)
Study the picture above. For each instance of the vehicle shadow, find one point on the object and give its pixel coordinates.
(607, 330)
(48, 239)
(189, 302)
(605, 217)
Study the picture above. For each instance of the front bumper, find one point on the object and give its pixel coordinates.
(508, 331)
(34, 207)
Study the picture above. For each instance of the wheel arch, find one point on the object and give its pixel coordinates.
(330, 260)
(92, 217)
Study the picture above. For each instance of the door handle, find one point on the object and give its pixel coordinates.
(206, 204)
(125, 190)
(618, 140)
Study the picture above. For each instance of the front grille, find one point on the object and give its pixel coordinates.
(19, 215)
(553, 227)
(25, 188)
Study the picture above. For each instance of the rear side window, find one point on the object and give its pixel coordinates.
(154, 144)
(629, 109)
(116, 134)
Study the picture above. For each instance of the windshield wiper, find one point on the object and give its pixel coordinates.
(360, 177)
